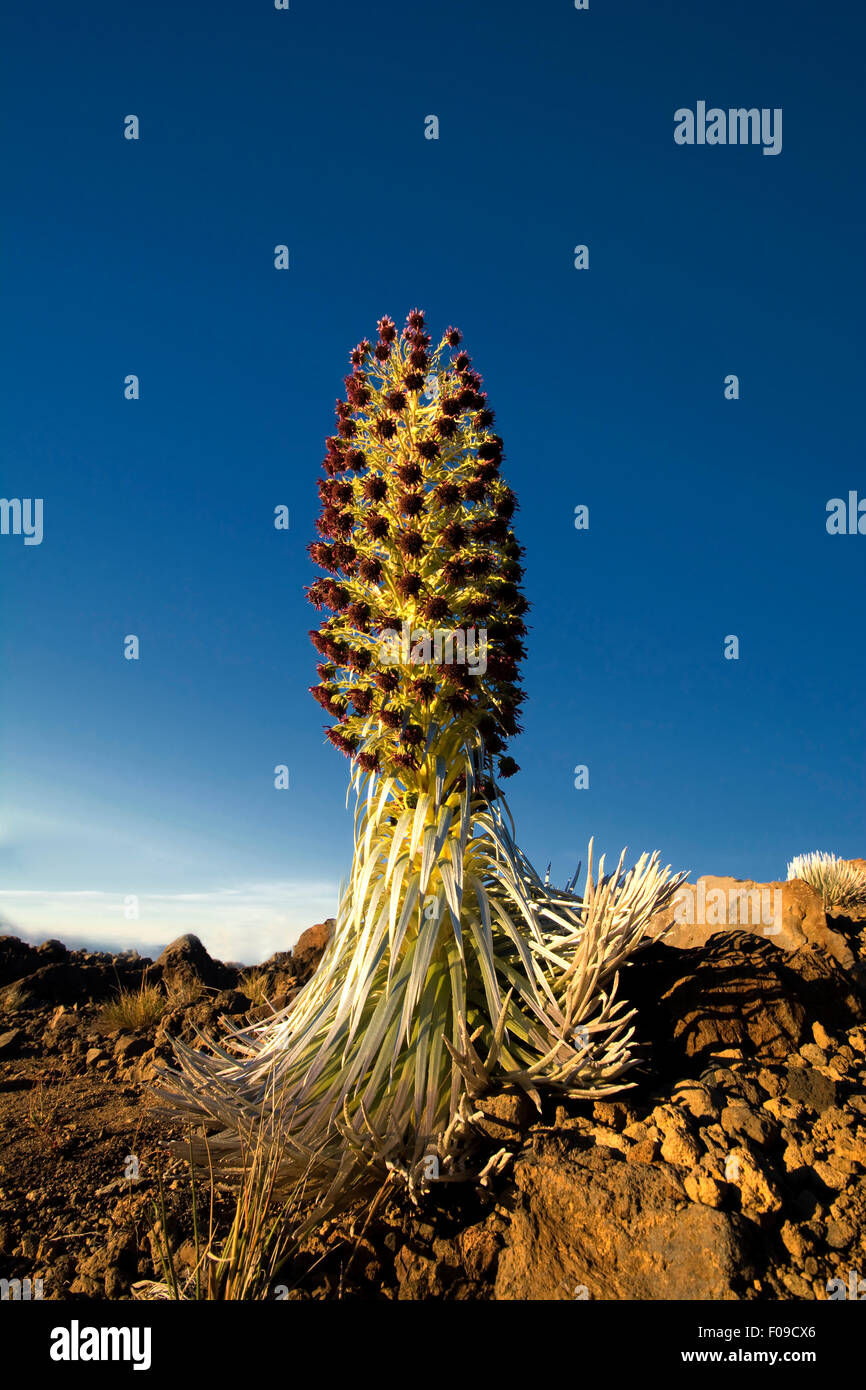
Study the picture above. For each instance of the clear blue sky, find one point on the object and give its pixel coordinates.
(707, 517)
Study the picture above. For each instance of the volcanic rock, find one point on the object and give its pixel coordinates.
(617, 1230)
(309, 947)
(789, 914)
(185, 964)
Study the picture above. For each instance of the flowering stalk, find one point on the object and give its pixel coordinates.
(453, 969)
(417, 539)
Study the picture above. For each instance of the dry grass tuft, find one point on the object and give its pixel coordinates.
(134, 1009)
(244, 1263)
(254, 984)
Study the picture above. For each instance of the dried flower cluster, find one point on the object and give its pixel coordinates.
(416, 535)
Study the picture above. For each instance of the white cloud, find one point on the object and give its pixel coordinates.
(244, 922)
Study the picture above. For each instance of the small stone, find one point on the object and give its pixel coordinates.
(714, 1137)
(783, 1108)
(835, 1118)
(839, 1234)
(850, 1147)
(811, 1088)
(793, 1241)
(636, 1131)
(670, 1119)
(504, 1116)
(231, 1001)
(770, 1082)
(608, 1139)
(10, 1042)
(116, 1282)
(739, 1121)
(680, 1150)
(834, 1175)
(822, 1037)
(697, 1100)
(796, 1156)
(758, 1192)
(645, 1151)
(611, 1113)
(479, 1251)
(91, 1288)
(839, 1066)
(703, 1188)
(129, 1046)
(796, 1285)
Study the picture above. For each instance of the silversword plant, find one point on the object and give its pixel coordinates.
(453, 969)
(840, 883)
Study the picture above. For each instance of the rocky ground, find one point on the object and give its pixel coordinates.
(735, 1167)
